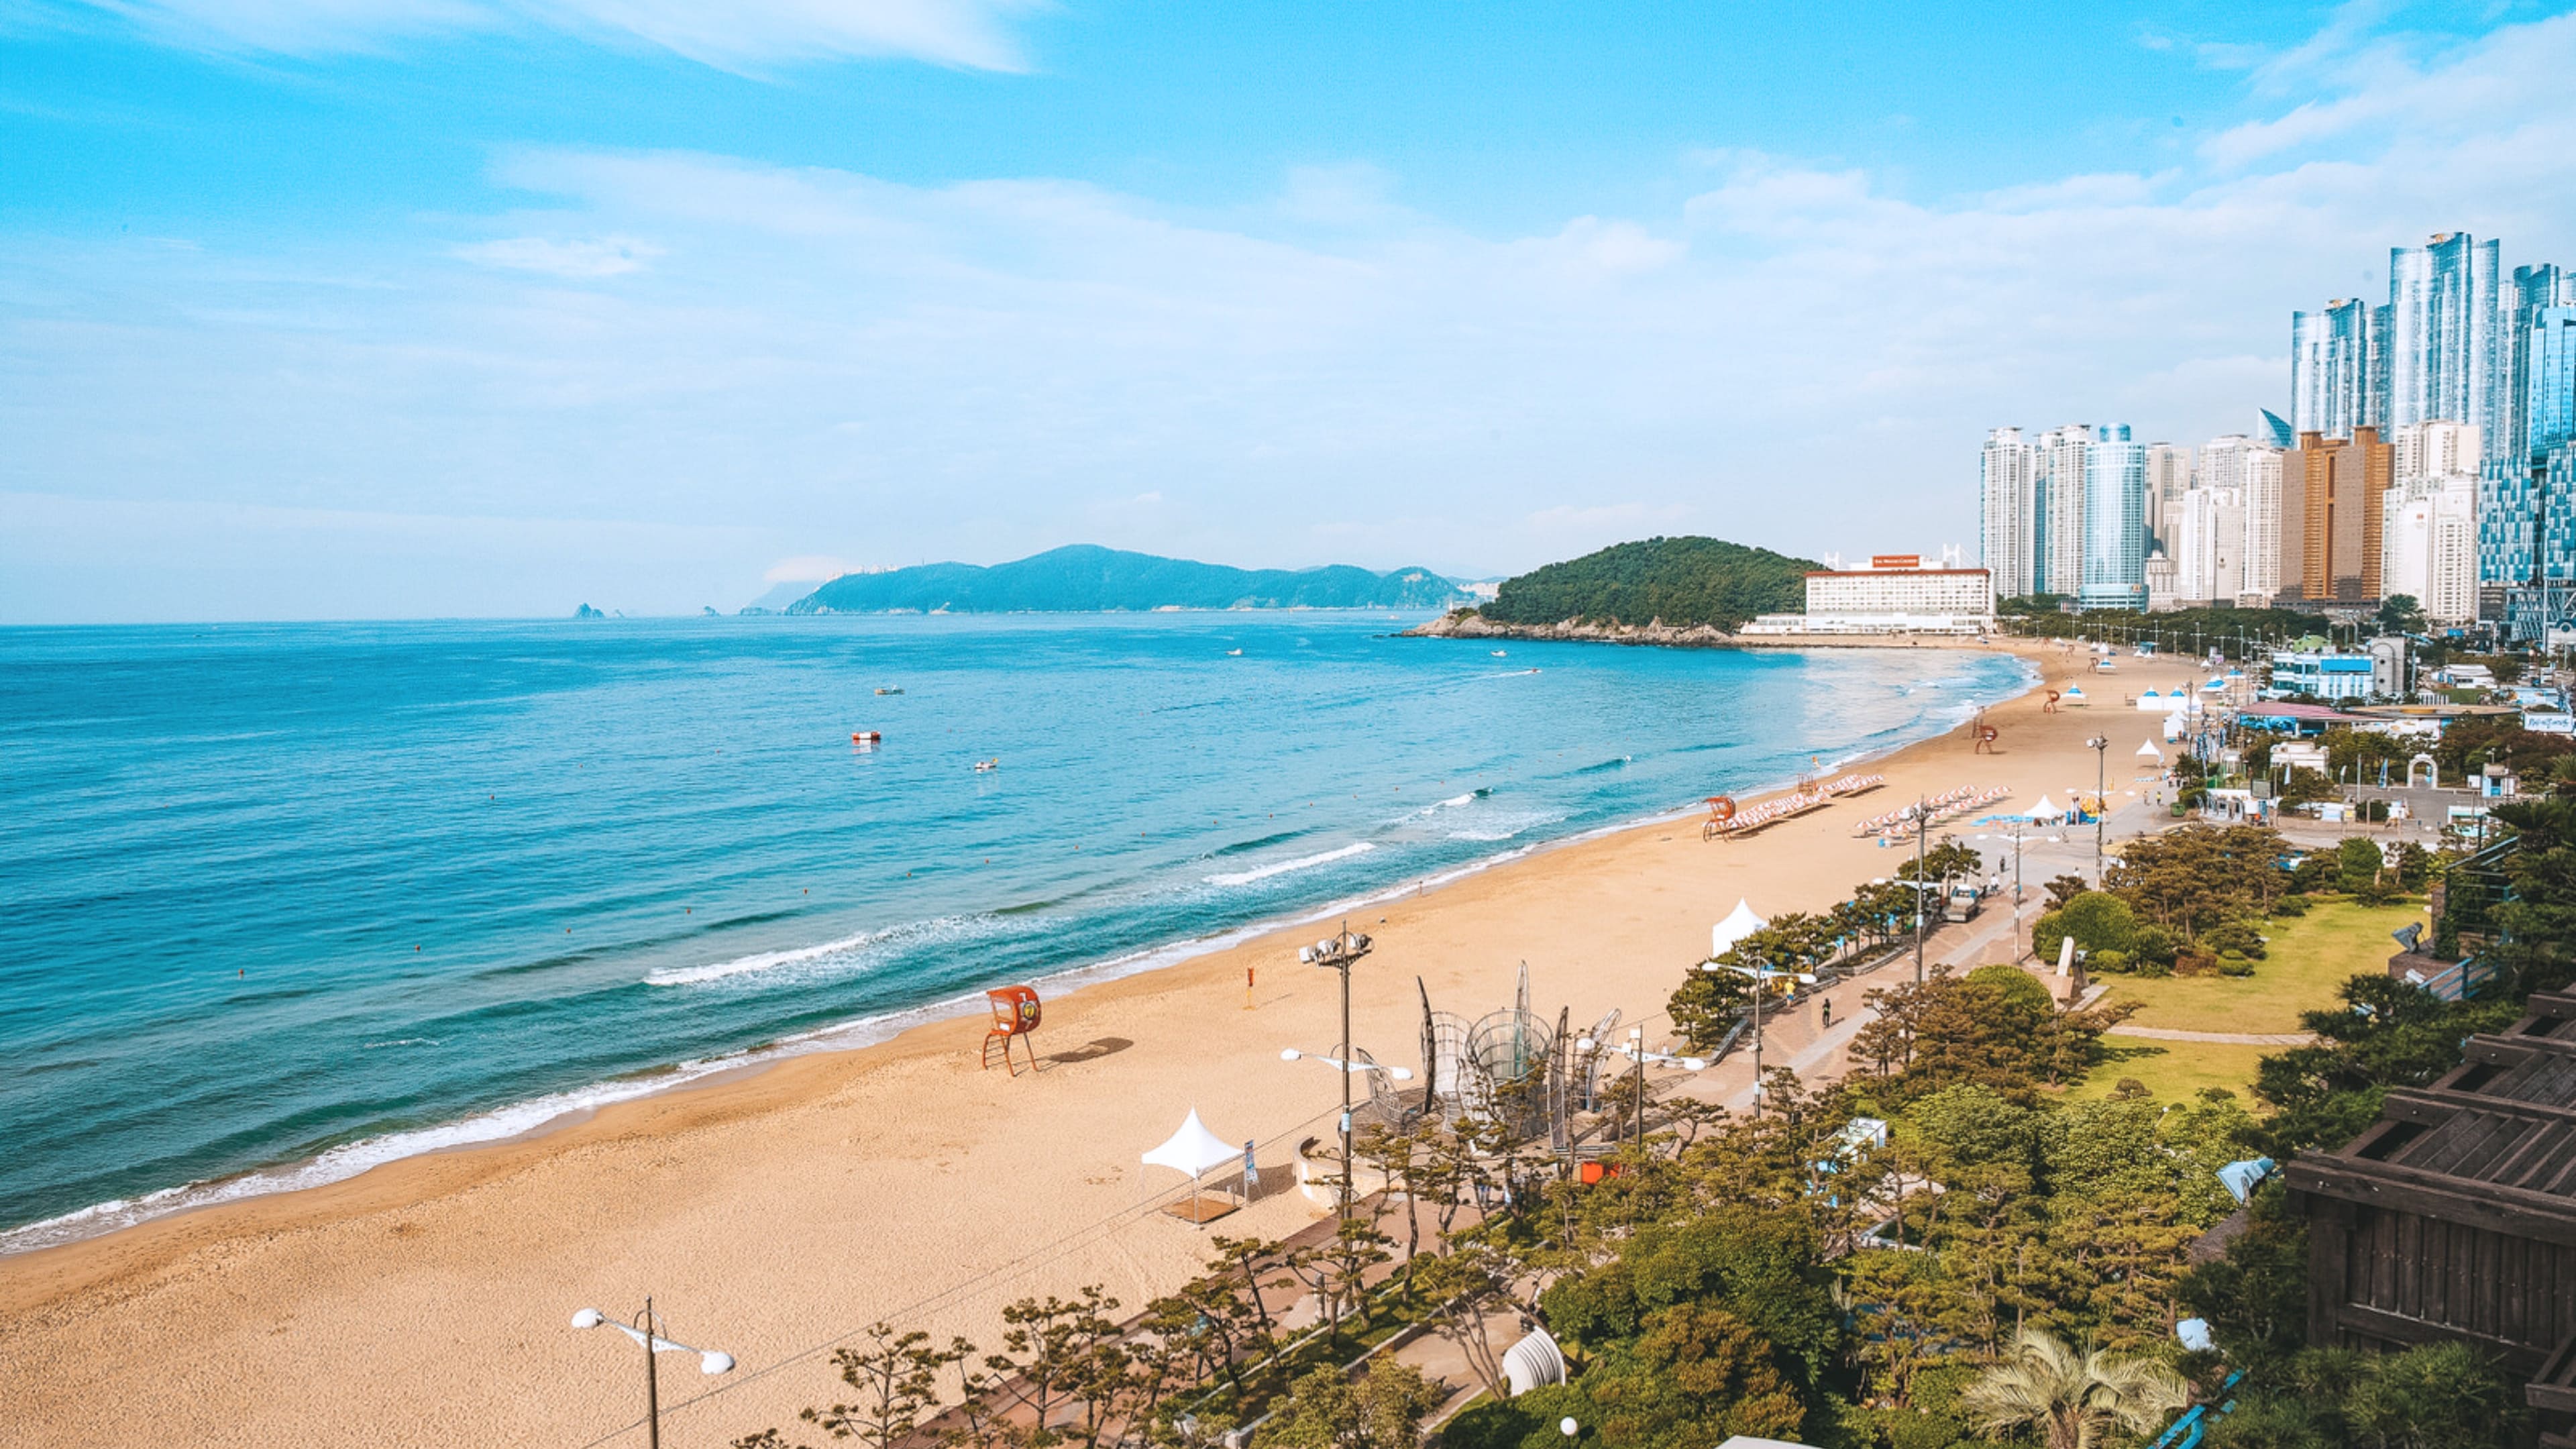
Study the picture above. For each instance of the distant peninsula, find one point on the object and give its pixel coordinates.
(1084, 578)
(1656, 591)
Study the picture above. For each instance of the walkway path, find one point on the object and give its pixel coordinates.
(2223, 1038)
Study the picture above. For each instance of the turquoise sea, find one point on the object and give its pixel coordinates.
(281, 902)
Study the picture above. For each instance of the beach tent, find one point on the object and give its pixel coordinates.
(1193, 1152)
(2046, 809)
(2148, 754)
(1739, 923)
(2151, 703)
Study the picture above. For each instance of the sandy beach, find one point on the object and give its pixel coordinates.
(425, 1302)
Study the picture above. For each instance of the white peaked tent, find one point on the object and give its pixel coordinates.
(2046, 809)
(1739, 923)
(2149, 754)
(1193, 1151)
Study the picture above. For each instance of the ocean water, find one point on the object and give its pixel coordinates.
(281, 902)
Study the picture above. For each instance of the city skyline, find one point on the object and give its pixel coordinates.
(2431, 455)
(364, 311)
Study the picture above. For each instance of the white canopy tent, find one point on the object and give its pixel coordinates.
(2148, 754)
(2046, 809)
(1194, 1151)
(1739, 923)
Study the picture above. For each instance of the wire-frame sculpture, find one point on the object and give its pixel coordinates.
(1584, 1090)
(1510, 1056)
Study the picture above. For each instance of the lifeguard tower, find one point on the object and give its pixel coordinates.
(1015, 1016)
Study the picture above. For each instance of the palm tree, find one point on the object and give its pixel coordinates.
(2072, 1398)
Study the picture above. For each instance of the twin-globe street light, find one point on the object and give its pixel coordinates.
(1634, 1049)
(646, 1331)
(1759, 976)
(1340, 953)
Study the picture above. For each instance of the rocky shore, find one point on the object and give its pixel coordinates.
(1468, 624)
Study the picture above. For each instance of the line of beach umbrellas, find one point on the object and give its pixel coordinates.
(1797, 802)
(1947, 804)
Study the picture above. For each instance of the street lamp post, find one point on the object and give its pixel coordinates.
(1922, 832)
(647, 1331)
(2101, 746)
(1759, 975)
(1340, 953)
(2016, 837)
(1634, 1049)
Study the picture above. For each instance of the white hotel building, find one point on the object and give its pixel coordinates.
(1896, 594)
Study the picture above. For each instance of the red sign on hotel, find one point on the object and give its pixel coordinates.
(1896, 560)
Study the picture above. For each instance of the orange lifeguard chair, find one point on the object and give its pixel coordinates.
(1015, 1015)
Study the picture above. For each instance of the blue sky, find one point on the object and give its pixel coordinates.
(379, 308)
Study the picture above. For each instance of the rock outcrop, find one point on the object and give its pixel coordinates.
(1468, 624)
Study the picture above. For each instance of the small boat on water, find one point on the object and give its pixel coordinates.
(982, 766)
(1234, 654)
(891, 689)
(1498, 654)
(866, 737)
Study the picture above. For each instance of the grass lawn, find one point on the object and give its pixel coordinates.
(2175, 1070)
(2308, 958)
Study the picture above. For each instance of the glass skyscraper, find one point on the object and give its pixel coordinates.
(2440, 337)
(2526, 491)
(2115, 522)
(2337, 368)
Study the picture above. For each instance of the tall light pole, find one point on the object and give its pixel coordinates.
(1922, 833)
(1634, 1049)
(2101, 745)
(1340, 953)
(647, 1331)
(2016, 837)
(1759, 975)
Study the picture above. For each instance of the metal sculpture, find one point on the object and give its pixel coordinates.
(1015, 1016)
(1986, 735)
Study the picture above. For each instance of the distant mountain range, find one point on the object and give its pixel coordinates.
(1085, 578)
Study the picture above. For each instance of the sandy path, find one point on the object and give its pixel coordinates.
(425, 1302)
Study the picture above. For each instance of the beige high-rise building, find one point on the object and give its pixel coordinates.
(2332, 493)
(2430, 545)
(2209, 558)
(2434, 450)
(2168, 478)
(2008, 513)
(2252, 471)
(2061, 457)
(2262, 555)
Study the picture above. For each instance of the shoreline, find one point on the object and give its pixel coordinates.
(309, 1252)
(568, 1106)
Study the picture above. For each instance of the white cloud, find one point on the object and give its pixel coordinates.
(974, 34)
(1800, 355)
(605, 257)
(2375, 86)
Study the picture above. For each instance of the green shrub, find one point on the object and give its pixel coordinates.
(2097, 920)
(2234, 963)
(2017, 985)
(2154, 970)
(2151, 942)
(2107, 961)
(2238, 936)
(2290, 906)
